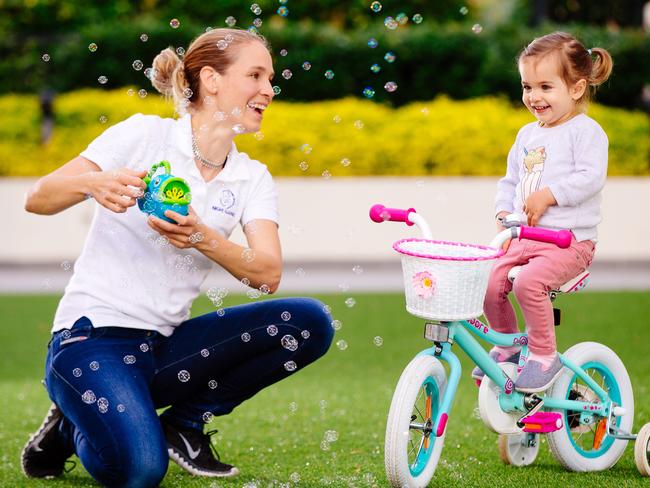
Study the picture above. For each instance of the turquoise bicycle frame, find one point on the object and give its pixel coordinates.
(510, 400)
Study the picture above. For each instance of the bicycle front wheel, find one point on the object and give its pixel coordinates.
(412, 449)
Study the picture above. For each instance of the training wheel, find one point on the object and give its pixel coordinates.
(518, 449)
(642, 450)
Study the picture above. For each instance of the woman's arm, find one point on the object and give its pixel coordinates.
(260, 263)
(79, 178)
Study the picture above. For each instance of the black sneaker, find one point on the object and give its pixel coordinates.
(192, 450)
(45, 454)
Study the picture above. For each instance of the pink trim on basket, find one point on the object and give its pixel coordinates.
(397, 244)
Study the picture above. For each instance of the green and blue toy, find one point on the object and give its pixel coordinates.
(164, 192)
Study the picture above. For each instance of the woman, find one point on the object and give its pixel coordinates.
(123, 344)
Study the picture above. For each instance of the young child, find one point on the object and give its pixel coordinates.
(556, 172)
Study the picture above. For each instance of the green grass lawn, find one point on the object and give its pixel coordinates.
(275, 438)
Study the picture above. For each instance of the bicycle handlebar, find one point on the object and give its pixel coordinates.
(380, 213)
(561, 238)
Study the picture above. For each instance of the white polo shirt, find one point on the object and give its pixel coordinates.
(127, 274)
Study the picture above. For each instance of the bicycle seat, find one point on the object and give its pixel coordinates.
(572, 286)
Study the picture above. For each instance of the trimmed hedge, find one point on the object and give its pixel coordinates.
(439, 137)
(431, 59)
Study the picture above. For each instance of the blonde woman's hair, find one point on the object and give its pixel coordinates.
(576, 62)
(179, 79)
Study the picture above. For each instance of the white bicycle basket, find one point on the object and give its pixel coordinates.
(445, 280)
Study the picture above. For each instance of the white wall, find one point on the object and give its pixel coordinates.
(327, 220)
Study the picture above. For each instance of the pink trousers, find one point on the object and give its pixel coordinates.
(545, 267)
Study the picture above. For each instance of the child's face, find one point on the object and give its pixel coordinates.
(545, 93)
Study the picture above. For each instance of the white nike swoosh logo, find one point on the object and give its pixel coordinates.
(190, 451)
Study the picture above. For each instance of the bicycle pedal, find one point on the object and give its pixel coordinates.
(542, 422)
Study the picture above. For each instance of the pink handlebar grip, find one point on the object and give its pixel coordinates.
(561, 238)
(379, 213)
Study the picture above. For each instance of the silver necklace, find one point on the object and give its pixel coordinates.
(202, 159)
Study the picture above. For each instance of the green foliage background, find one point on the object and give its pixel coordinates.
(438, 137)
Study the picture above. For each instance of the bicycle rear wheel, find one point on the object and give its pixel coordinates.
(581, 446)
(412, 450)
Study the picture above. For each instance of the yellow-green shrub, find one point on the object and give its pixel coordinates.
(440, 137)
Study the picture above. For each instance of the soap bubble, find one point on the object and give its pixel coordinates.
(375, 68)
(372, 43)
(285, 316)
(212, 384)
(342, 345)
(222, 44)
(350, 302)
(257, 22)
(175, 23)
(137, 65)
(89, 397)
(245, 337)
(45, 57)
(345, 162)
(283, 52)
(306, 148)
(391, 23)
(144, 37)
(183, 376)
(283, 11)
(375, 6)
(144, 347)
(102, 80)
(180, 51)
(329, 74)
(142, 93)
(378, 341)
(417, 18)
(390, 86)
(290, 366)
(287, 74)
(464, 10)
(402, 18)
(102, 405)
(230, 21)
(121, 408)
(129, 359)
(94, 365)
(271, 330)
(277, 90)
(255, 8)
(205, 353)
(306, 65)
(76, 372)
(289, 342)
(92, 47)
(390, 57)
(357, 269)
(477, 28)
(331, 436)
(207, 417)
(304, 166)
(305, 334)
(368, 92)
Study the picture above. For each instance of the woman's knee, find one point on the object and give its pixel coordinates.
(143, 469)
(318, 322)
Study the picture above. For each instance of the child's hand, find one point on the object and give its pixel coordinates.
(536, 204)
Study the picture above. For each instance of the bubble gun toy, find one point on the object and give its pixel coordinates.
(164, 192)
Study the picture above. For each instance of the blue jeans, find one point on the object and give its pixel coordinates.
(109, 381)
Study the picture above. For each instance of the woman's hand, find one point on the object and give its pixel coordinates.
(117, 190)
(537, 203)
(187, 232)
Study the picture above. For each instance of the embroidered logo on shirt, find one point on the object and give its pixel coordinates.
(227, 200)
(534, 166)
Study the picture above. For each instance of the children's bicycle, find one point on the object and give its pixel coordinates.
(586, 414)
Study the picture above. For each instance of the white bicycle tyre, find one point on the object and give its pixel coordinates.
(560, 442)
(419, 370)
(513, 452)
(642, 450)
